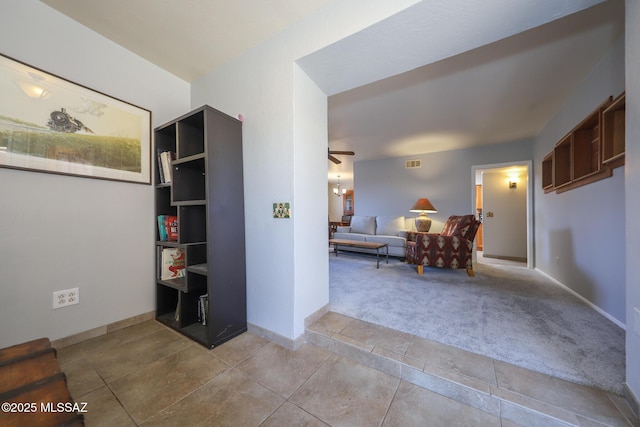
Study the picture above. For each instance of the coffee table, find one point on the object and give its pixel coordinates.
(361, 244)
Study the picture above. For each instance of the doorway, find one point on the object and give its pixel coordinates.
(502, 200)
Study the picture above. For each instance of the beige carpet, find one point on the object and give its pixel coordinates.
(507, 312)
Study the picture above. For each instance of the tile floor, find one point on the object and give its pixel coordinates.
(148, 375)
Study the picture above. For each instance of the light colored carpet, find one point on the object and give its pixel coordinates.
(513, 314)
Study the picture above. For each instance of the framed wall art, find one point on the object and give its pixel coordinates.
(282, 210)
(49, 124)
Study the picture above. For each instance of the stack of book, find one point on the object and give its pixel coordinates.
(168, 228)
(164, 165)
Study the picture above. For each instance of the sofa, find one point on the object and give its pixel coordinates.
(379, 229)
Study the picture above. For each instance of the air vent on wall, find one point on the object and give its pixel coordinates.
(412, 164)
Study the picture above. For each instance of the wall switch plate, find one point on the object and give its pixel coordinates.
(636, 320)
(66, 297)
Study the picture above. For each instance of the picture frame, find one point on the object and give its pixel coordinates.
(282, 210)
(52, 125)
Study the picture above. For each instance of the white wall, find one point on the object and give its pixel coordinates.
(505, 233)
(260, 84)
(385, 187)
(285, 141)
(60, 232)
(632, 183)
(585, 237)
(309, 176)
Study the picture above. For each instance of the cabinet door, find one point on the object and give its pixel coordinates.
(347, 202)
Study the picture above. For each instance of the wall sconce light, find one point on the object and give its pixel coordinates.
(513, 180)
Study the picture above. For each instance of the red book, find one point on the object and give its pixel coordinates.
(171, 224)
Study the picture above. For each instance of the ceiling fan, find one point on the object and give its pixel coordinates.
(343, 153)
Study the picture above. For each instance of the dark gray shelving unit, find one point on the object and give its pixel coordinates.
(206, 194)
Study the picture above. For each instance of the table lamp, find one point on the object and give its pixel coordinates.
(423, 223)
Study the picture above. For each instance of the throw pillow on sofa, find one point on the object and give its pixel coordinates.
(363, 224)
(390, 225)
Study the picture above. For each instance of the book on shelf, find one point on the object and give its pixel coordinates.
(171, 225)
(172, 263)
(160, 168)
(162, 229)
(166, 158)
(168, 228)
(176, 316)
(203, 308)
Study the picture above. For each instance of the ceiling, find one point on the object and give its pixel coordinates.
(188, 38)
(502, 91)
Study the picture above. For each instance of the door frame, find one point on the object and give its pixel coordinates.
(529, 208)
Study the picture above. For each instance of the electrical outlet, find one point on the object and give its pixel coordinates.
(557, 261)
(66, 297)
(636, 320)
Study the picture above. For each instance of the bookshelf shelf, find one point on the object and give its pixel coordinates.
(206, 173)
(195, 331)
(190, 202)
(181, 285)
(198, 269)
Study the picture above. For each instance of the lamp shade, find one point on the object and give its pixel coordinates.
(423, 205)
(423, 224)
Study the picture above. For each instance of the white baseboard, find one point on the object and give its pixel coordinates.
(288, 343)
(313, 317)
(592, 305)
(632, 400)
(102, 330)
(291, 344)
(507, 258)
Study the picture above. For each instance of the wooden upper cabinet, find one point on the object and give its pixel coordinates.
(589, 152)
(347, 203)
(586, 145)
(547, 173)
(562, 162)
(614, 132)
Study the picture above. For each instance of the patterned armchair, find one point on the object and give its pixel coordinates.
(452, 248)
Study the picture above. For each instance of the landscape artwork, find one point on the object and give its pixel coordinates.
(48, 124)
